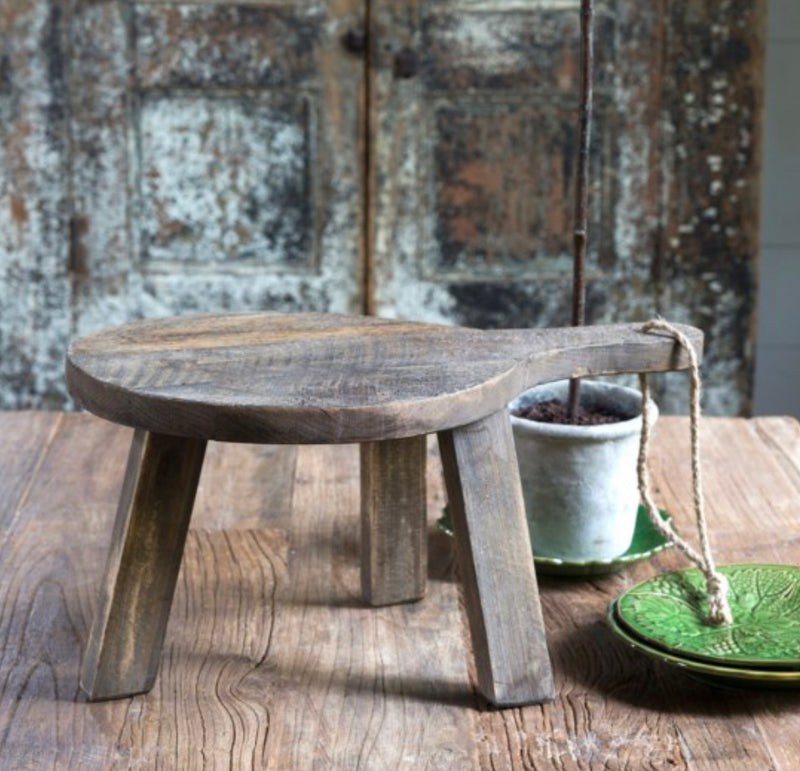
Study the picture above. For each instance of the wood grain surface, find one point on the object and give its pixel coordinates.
(493, 545)
(144, 557)
(393, 520)
(271, 660)
(321, 378)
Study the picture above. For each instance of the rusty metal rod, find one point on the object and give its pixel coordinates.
(582, 190)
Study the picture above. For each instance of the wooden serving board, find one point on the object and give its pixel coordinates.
(273, 378)
(325, 378)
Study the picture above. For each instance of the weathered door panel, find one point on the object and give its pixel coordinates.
(35, 307)
(243, 163)
(212, 162)
(162, 158)
(473, 167)
(706, 262)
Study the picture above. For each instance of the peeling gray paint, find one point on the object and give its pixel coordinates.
(163, 159)
(34, 284)
(474, 197)
(225, 178)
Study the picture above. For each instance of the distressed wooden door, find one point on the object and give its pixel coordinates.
(472, 168)
(167, 157)
(164, 157)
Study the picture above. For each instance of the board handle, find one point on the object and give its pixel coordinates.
(609, 349)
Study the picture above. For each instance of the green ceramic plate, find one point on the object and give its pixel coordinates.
(668, 612)
(646, 542)
(710, 673)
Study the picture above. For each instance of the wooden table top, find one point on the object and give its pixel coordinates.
(332, 378)
(271, 661)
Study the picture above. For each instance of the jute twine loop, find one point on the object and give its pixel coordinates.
(719, 611)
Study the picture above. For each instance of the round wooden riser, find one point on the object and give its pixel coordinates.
(325, 378)
(318, 378)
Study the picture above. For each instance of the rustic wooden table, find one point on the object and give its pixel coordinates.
(271, 661)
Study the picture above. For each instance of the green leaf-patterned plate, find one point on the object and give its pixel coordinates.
(646, 542)
(715, 674)
(669, 611)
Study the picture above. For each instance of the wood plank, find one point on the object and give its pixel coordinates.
(762, 503)
(350, 686)
(779, 440)
(211, 706)
(52, 559)
(394, 559)
(27, 436)
(494, 548)
(219, 692)
(155, 506)
(52, 565)
(781, 436)
(245, 487)
(272, 661)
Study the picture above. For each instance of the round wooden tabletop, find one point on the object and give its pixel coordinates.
(328, 378)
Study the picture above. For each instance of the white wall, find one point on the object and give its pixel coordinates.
(777, 384)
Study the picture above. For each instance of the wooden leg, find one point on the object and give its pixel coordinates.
(393, 509)
(149, 533)
(495, 561)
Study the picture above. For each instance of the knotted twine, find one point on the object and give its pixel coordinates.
(719, 611)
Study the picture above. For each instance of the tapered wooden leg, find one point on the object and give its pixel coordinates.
(152, 519)
(495, 561)
(393, 537)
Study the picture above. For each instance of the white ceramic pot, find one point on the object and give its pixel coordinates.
(579, 482)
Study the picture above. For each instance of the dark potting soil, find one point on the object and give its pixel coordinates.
(554, 411)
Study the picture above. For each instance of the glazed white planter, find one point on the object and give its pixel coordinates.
(579, 482)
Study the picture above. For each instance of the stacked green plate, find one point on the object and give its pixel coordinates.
(664, 618)
(646, 542)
